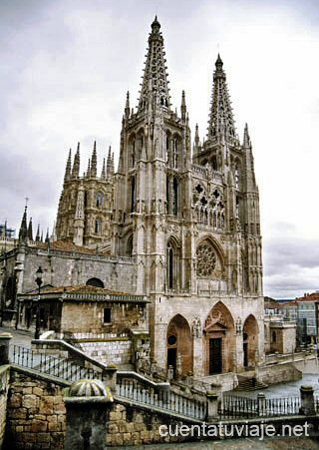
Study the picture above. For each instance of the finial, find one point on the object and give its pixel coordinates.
(127, 105)
(183, 106)
(246, 141)
(219, 61)
(103, 173)
(155, 25)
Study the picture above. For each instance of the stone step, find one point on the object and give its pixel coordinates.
(250, 384)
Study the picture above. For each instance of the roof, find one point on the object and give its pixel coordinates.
(309, 297)
(63, 246)
(83, 293)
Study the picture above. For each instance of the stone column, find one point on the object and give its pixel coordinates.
(261, 400)
(307, 400)
(239, 352)
(212, 406)
(4, 347)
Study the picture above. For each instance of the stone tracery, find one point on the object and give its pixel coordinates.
(206, 259)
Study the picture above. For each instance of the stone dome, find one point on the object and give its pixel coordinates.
(88, 388)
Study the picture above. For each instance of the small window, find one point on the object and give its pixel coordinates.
(99, 200)
(107, 315)
(274, 336)
(98, 226)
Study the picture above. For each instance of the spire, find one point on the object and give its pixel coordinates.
(221, 121)
(23, 233)
(88, 172)
(47, 239)
(37, 238)
(183, 106)
(103, 173)
(196, 139)
(109, 163)
(41, 239)
(155, 79)
(127, 106)
(94, 161)
(246, 140)
(30, 231)
(249, 161)
(76, 164)
(112, 164)
(68, 166)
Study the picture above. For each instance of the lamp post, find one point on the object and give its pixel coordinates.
(38, 280)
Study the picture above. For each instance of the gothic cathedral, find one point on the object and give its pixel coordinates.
(187, 214)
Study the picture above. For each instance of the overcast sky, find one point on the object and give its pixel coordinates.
(65, 67)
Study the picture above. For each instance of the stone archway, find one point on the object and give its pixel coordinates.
(179, 346)
(219, 341)
(250, 341)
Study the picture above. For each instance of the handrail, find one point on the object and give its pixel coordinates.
(71, 348)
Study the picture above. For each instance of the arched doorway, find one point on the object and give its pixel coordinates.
(219, 340)
(250, 341)
(179, 346)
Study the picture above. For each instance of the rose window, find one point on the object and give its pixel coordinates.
(206, 260)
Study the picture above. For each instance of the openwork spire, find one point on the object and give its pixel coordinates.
(221, 120)
(155, 80)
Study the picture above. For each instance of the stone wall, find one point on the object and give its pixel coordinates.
(284, 372)
(36, 413)
(83, 316)
(132, 425)
(4, 385)
(115, 350)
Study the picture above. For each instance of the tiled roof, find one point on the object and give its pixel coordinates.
(82, 289)
(309, 297)
(63, 246)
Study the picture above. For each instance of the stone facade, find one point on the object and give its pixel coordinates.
(178, 222)
(4, 387)
(36, 413)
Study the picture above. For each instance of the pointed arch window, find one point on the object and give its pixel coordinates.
(237, 176)
(175, 197)
(99, 200)
(98, 226)
(132, 194)
(175, 153)
(170, 266)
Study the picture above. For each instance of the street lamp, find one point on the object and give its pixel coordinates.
(39, 282)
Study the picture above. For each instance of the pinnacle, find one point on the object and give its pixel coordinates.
(219, 61)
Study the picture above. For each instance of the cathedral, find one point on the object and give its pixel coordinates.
(175, 229)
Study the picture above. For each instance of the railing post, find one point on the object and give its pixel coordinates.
(307, 400)
(4, 347)
(212, 406)
(261, 404)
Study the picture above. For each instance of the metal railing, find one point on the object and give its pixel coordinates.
(52, 365)
(167, 400)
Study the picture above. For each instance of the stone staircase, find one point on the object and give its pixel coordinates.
(249, 383)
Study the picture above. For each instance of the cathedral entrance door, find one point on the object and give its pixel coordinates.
(215, 356)
(171, 358)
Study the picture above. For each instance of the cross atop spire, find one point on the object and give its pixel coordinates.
(221, 120)
(155, 79)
